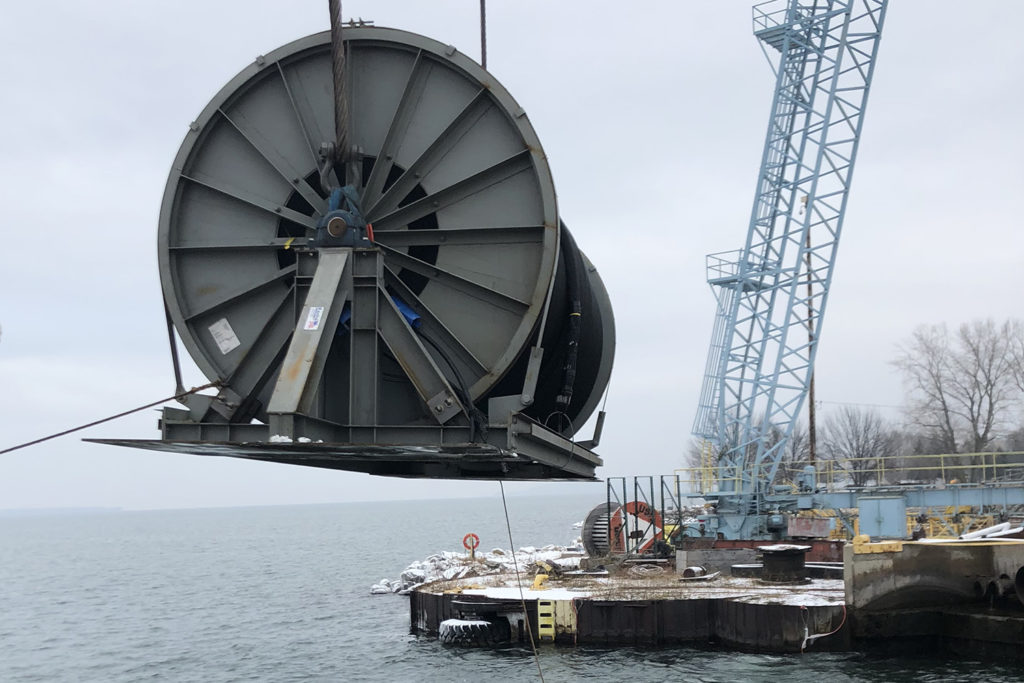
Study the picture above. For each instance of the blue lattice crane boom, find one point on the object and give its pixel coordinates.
(771, 297)
(772, 294)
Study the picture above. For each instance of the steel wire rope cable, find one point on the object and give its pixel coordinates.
(477, 420)
(519, 582)
(574, 275)
(483, 33)
(501, 484)
(176, 397)
(574, 288)
(808, 637)
(571, 455)
(341, 143)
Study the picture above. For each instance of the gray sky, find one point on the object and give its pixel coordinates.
(652, 115)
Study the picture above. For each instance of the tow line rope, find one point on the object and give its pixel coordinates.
(112, 417)
(808, 638)
(519, 582)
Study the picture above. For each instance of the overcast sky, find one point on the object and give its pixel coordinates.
(652, 115)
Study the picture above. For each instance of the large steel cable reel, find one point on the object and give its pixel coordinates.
(463, 212)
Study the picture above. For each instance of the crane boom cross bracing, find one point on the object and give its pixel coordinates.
(771, 294)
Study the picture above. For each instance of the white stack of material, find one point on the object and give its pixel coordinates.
(1008, 533)
(996, 531)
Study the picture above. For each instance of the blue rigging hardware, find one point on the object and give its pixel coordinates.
(343, 225)
(771, 294)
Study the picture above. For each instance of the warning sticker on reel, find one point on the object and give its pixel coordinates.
(225, 337)
(313, 318)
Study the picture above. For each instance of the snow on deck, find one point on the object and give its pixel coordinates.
(819, 592)
(493, 575)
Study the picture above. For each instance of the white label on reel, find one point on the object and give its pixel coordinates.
(225, 337)
(316, 313)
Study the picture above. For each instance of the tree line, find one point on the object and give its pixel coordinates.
(964, 395)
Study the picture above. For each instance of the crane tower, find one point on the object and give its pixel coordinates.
(771, 294)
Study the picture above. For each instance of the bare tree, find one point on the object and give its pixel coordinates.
(858, 441)
(798, 450)
(693, 458)
(794, 455)
(962, 387)
(1017, 352)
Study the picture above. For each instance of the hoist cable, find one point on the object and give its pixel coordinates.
(519, 582)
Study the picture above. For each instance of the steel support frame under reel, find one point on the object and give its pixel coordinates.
(356, 276)
(510, 446)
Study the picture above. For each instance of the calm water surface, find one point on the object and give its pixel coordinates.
(282, 594)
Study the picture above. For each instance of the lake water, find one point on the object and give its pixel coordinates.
(282, 594)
